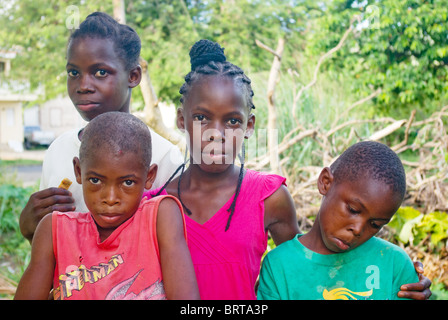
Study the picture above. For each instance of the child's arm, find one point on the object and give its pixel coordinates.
(280, 216)
(37, 280)
(179, 278)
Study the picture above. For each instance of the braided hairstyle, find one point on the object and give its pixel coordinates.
(207, 59)
(101, 25)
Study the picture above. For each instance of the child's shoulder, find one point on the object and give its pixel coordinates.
(263, 175)
(386, 248)
(68, 136)
(265, 182)
(285, 248)
(73, 215)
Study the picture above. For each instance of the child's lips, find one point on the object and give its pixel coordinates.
(87, 105)
(110, 218)
(215, 157)
(341, 244)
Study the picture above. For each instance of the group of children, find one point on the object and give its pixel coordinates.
(147, 232)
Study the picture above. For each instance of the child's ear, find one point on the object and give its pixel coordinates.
(325, 180)
(135, 76)
(180, 120)
(250, 126)
(151, 176)
(77, 168)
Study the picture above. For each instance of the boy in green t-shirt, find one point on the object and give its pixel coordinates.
(339, 258)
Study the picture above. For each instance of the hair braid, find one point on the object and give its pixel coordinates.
(238, 187)
(207, 58)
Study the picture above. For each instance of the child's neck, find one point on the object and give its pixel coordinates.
(313, 240)
(197, 178)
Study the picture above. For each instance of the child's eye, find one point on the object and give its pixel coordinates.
(375, 226)
(72, 73)
(101, 73)
(352, 210)
(235, 121)
(199, 117)
(128, 183)
(94, 180)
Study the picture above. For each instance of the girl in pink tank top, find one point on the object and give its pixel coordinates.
(124, 247)
(229, 210)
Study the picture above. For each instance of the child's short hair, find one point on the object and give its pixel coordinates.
(118, 132)
(126, 40)
(372, 159)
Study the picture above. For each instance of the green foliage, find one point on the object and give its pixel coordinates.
(41, 50)
(14, 249)
(400, 47)
(439, 292)
(413, 227)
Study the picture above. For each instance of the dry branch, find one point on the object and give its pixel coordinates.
(406, 133)
(387, 131)
(319, 63)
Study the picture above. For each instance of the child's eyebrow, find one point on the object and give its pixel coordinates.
(91, 172)
(100, 65)
(93, 66)
(359, 202)
(128, 176)
(70, 65)
(201, 109)
(235, 113)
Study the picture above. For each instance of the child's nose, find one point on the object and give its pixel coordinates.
(110, 196)
(357, 228)
(215, 134)
(85, 84)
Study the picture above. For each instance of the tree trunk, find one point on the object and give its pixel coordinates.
(152, 114)
(274, 76)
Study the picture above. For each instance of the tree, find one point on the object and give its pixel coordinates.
(401, 48)
(38, 31)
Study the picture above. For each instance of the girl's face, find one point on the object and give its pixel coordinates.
(113, 185)
(352, 211)
(97, 80)
(216, 119)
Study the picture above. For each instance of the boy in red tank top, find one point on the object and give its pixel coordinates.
(123, 248)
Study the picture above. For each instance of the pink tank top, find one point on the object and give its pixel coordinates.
(227, 263)
(125, 266)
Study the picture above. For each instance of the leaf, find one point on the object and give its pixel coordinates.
(406, 233)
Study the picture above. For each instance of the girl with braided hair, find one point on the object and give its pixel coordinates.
(229, 209)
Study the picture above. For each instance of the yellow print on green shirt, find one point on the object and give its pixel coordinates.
(344, 294)
(78, 276)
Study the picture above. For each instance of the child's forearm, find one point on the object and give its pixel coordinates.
(37, 279)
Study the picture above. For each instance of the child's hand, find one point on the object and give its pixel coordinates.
(42, 203)
(417, 291)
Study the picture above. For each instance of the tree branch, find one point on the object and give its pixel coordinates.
(319, 63)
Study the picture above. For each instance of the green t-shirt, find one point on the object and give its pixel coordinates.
(374, 271)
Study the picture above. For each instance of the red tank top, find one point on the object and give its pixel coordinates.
(124, 266)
